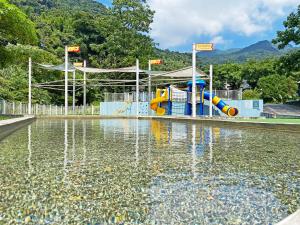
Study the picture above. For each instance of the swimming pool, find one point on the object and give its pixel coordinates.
(147, 172)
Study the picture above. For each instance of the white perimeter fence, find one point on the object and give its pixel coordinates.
(13, 108)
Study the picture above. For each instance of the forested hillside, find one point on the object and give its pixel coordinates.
(109, 38)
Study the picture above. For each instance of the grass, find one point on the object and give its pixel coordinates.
(274, 120)
(4, 117)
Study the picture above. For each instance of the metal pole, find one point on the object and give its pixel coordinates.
(137, 86)
(149, 81)
(66, 80)
(210, 89)
(84, 87)
(73, 105)
(29, 85)
(194, 104)
(4, 107)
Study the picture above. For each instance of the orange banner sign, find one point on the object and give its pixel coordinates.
(74, 49)
(78, 64)
(156, 62)
(205, 47)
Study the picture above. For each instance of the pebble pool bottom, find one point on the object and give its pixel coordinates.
(147, 172)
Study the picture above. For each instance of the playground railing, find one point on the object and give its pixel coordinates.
(143, 96)
(19, 108)
(229, 94)
(128, 97)
(223, 94)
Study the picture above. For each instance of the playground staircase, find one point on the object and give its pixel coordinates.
(284, 110)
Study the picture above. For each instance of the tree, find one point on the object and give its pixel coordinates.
(19, 54)
(229, 73)
(14, 86)
(126, 31)
(277, 89)
(15, 26)
(291, 32)
(289, 65)
(253, 70)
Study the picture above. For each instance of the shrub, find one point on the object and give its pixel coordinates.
(251, 95)
(277, 89)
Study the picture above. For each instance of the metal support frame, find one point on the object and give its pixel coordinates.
(66, 80)
(137, 86)
(169, 101)
(194, 100)
(149, 81)
(29, 85)
(194, 104)
(84, 87)
(210, 90)
(74, 92)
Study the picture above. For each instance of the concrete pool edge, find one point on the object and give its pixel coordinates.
(292, 219)
(8, 126)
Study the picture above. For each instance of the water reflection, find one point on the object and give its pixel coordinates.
(65, 149)
(29, 151)
(194, 161)
(84, 139)
(73, 140)
(147, 172)
(137, 142)
(211, 143)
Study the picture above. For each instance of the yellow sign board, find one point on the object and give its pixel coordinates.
(74, 49)
(205, 47)
(156, 62)
(78, 64)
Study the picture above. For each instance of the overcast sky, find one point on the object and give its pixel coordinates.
(226, 23)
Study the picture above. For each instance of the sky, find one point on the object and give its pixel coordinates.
(226, 23)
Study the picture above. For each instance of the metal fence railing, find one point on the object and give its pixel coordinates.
(13, 108)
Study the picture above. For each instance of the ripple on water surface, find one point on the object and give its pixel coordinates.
(147, 172)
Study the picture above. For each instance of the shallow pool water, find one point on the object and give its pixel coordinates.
(147, 172)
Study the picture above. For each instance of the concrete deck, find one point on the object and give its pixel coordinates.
(293, 219)
(10, 125)
(282, 109)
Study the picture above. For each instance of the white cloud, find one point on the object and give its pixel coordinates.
(176, 22)
(218, 40)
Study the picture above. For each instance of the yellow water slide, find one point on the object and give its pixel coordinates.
(161, 96)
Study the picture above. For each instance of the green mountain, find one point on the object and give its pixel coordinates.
(260, 50)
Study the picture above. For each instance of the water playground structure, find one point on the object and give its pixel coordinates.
(163, 103)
